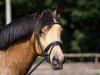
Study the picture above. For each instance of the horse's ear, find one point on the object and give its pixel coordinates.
(58, 9)
(39, 13)
(40, 8)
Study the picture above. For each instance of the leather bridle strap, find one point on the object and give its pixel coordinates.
(50, 47)
(30, 72)
(44, 51)
(55, 43)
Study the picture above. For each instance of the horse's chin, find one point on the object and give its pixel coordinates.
(56, 64)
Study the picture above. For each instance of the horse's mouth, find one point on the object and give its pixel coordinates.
(56, 64)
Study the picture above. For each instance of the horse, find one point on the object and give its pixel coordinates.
(23, 40)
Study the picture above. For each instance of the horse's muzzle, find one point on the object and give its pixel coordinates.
(56, 63)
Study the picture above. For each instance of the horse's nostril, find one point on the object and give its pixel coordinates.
(55, 61)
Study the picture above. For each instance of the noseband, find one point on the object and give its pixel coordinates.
(52, 44)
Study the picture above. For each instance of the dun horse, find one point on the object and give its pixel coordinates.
(21, 41)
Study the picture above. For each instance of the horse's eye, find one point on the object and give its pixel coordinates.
(42, 33)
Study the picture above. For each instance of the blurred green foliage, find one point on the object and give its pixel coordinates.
(80, 19)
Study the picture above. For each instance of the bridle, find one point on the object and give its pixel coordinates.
(45, 55)
(52, 44)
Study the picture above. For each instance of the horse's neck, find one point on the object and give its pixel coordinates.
(17, 59)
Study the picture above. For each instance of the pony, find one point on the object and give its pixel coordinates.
(23, 40)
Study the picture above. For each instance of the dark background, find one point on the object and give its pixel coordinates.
(80, 19)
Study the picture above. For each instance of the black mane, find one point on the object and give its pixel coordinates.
(23, 28)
